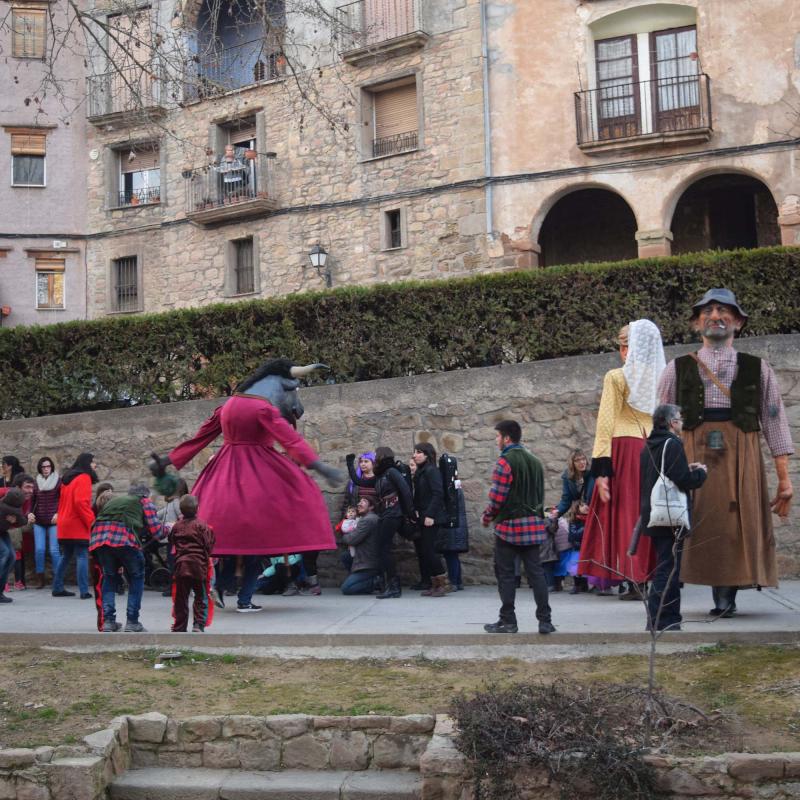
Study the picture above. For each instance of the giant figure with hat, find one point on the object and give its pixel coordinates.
(258, 500)
(726, 398)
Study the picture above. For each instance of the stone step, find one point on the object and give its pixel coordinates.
(291, 784)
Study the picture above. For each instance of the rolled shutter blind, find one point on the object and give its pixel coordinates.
(29, 28)
(244, 134)
(396, 111)
(142, 160)
(50, 264)
(28, 144)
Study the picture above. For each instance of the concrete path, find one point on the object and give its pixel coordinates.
(334, 626)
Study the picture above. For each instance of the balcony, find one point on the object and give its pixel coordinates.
(126, 95)
(372, 27)
(222, 70)
(139, 197)
(631, 116)
(227, 192)
(391, 145)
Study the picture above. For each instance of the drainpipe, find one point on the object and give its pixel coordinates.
(487, 125)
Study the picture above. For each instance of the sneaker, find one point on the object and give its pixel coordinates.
(64, 593)
(546, 627)
(197, 628)
(111, 626)
(134, 627)
(290, 591)
(9, 587)
(314, 590)
(4, 599)
(86, 595)
(216, 596)
(247, 608)
(501, 627)
(19, 586)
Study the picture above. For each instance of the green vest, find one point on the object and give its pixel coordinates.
(745, 392)
(127, 510)
(526, 496)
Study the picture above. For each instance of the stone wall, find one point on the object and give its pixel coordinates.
(555, 401)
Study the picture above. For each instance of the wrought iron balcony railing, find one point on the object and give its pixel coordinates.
(136, 197)
(224, 69)
(140, 89)
(229, 190)
(372, 24)
(398, 143)
(667, 106)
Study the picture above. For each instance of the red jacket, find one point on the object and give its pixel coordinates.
(75, 515)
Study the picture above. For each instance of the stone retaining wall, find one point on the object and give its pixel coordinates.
(555, 401)
(298, 741)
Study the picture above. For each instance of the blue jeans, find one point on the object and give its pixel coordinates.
(453, 568)
(252, 569)
(131, 559)
(664, 599)
(42, 535)
(362, 582)
(7, 558)
(80, 549)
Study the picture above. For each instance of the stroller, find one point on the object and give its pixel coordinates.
(157, 574)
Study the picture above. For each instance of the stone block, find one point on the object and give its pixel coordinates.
(221, 755)
(101, 742)
(370, 722)
(120, 726)
(412, 723)
(173, 731)
(349, 750)
(199, 729)
(791, 765)
(342, 723)
(76, 778)
(15, 757)
(287, 726)
(243, 725)
(680, 782)
(750, 767)
(44, 754)
(400, 751)
(445, 725)
(441, 757)
(260, 755)
(179, 759)
(147, 727)
(141, 758)
(306, 752)
(8, 788)
(27, 790)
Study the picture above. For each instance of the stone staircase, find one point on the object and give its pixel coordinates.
(217, 784)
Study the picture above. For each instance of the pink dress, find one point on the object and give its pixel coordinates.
(257, 500)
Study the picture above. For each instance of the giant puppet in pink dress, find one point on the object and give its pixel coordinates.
(258, 500)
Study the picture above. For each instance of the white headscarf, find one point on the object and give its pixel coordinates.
(644, 365)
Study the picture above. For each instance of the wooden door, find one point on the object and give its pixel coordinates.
(617, 93)
(676, 82)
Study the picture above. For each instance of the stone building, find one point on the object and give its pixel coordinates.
(469, 135)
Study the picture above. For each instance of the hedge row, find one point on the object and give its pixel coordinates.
(383, 331)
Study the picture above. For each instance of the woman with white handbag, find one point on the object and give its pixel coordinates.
(666, 480)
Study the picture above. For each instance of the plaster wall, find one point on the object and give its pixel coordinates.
(555, 402)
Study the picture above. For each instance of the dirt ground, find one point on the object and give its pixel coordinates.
(750, 694)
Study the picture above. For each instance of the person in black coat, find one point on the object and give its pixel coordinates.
(664, 599)
(429, 505)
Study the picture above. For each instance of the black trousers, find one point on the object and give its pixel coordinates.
(664, 599)
(430, 561)
(387, 528)
(504, 554)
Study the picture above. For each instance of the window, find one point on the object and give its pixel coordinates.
(139, 176)
(391, 118)
(245, 273)
(393, 229)
(49, 283)
(28, 27)
(125, 284)
(28, 156)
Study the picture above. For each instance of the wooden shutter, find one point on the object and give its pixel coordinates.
(29, 25)
(142, 160)
(396, 111)
(49, 264)
(28, 143)
(246, 133)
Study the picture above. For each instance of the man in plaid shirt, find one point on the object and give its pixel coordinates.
(116, 542)
(516, 506)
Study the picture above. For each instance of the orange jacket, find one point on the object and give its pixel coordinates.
(75, 515)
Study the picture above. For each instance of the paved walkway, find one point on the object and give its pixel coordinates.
(332, 625)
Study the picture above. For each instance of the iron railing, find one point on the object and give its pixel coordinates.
(365, 23)
(228, 183)
(135, 197)
(126, 284)
(398, 143)
(125, 90)
(222, 70)
(629, 109)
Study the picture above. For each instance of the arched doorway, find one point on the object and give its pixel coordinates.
(588, 225)
(723, 212)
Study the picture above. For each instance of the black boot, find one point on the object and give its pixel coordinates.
(392, 590)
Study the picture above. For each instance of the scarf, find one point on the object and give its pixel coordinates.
(48, 484)
(644, 365)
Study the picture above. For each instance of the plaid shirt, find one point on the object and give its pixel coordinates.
(722, 362)
(111, 533)
(520, 531)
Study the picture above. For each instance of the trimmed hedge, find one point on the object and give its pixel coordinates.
(383, 331)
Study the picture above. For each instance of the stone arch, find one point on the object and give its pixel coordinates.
(720, 209)
(642, 17)
(585, 222)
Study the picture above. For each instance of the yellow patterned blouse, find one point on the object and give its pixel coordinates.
(615, 417)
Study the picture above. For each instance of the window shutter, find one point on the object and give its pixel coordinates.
(28, 32)
(47, 264)
(25, 143)
(396, 111)
(246, 133)
(142, 160)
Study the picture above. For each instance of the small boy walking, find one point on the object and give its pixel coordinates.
(193, 543)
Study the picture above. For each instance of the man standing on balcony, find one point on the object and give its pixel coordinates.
(233, 172)
(726, 397)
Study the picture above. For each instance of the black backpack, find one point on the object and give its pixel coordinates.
(448, 467)
(405, 471)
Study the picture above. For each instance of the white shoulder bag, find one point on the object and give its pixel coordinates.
(669, 506)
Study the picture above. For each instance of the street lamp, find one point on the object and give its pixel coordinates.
(319, 258)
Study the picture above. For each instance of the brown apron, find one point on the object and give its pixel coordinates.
(731, 541)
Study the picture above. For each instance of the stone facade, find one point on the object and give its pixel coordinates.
(555, 401)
